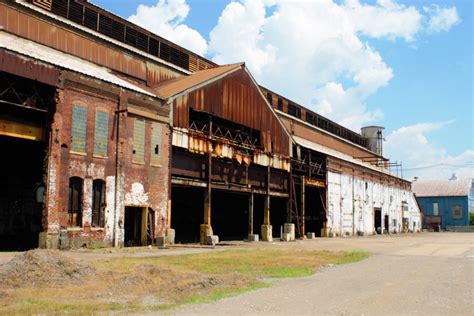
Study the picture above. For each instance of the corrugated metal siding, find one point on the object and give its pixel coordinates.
(235, 98)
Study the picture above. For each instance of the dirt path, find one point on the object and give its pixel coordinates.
(410, 275)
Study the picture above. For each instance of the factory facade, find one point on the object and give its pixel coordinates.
(118, 137)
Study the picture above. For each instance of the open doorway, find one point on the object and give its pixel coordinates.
(386, 225)
(378, 220)
(136, 226)
(21, 193)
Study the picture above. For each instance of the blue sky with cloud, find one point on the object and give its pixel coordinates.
(405, 65)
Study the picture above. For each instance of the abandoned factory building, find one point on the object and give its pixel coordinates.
(112, 135)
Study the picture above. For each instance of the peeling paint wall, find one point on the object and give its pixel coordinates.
(352, 200)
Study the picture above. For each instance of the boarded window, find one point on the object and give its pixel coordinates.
(98, 203)
(155, 150)
(101, 133)
(435, 209)
(75, 202)
(457, 212)
(79, 128)
(138, 141)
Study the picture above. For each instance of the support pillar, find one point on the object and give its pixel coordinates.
(303, 207)
(251, 199)
(206, 229)
(266, 228)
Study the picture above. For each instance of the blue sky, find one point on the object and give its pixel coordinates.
(405, 65)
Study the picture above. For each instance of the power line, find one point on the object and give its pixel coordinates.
(469, 164)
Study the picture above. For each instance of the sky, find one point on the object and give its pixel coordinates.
(404, 65)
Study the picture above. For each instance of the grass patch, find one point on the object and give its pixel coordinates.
(141, 284)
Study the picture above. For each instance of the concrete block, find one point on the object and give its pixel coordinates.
(205, 231)
(170, 236)
(289, 228)
(310, 235)
(253, 237)
(212, 240)
(286, 237)
(63, 240)
(266, 231)
(52, 241)
(161, 241)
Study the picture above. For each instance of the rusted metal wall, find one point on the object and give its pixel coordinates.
(235, 98)
(82, 45)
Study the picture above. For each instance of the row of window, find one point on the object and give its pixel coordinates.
(79, 135)
(79, 130)
(75, 202)
(456, 211)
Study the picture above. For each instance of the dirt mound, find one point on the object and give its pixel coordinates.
(43, 268)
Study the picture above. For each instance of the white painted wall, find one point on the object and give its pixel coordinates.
(351, 203)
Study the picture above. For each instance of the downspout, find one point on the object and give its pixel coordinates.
(117, 137)
(353, 206)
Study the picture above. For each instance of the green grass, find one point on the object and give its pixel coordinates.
(172, 280)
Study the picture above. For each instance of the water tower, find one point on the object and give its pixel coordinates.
(374, 135)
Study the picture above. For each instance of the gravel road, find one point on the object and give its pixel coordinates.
(422, 274)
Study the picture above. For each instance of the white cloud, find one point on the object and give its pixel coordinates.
(166, 19)
(422, 158)
(441, 19)
(311, 51)
(386, 19)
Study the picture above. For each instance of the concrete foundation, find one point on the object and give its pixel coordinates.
(286, 237)
(266, 231)
(205, 231)
(170, 236)
(310, 235)
(289, 228)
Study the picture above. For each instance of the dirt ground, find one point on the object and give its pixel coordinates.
(413, 274)
(421, 274)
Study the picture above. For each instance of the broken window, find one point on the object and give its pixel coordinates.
(457, 212)
(294, 110)
(280, 104)
(100, 133)
(98, 203)
(270, 98)
(79, 128)
(155, 150)
(75, 202)
(138, 154)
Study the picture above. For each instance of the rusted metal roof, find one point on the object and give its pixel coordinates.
(54, 57)
(184, 84)
(460, 187)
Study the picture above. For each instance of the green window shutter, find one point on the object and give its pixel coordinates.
(101, 133)
(138, 141)
(79, 128)
(155, 150)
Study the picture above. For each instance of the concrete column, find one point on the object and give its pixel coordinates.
(206, 229)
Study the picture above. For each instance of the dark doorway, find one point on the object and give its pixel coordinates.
(314, 210)
(278, 215)
(187, 213)
(386, 224)
(378, 220)
(133, 226)
(21, 193)
(229, 215)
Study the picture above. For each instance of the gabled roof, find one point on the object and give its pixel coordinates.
(176, 86)
(442, 188)
(54, 57)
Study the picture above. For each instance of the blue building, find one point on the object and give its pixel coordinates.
(445, 202)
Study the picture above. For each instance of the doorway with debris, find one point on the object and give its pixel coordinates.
(378, 220)
(138, 226)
